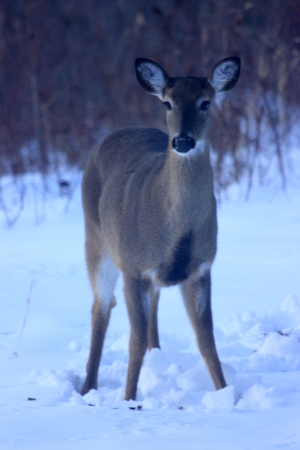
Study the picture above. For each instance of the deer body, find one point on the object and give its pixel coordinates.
(150, 213)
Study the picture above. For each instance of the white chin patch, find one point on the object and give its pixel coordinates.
(198, 149)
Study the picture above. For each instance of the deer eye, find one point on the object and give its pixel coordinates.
(204, 105)
(167, 105)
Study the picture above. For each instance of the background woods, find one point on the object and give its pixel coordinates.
(67, 77)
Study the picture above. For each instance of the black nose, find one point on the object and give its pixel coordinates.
(183, 143)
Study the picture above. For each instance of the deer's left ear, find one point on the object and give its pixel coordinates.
(225, 74)
(151, 76)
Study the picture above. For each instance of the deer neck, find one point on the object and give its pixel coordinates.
(185, 185)
(187, 180)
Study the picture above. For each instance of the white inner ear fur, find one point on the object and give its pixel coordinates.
(222, 74)
(153, 75)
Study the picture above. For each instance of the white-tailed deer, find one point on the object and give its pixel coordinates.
(150, 213)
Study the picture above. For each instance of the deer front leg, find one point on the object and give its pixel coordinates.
(196, 292)
(153, 339)
(137, 298)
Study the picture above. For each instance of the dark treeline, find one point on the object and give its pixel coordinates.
(67, 75)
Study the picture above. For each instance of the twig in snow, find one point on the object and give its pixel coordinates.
(32, 284)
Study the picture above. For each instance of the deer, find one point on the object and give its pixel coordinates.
(150, 213)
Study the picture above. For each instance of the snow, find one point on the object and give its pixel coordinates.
(45, 331)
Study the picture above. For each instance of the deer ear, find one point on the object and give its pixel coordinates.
(151, 76)
(225, 74)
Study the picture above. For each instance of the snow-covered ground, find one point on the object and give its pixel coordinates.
(45, 303)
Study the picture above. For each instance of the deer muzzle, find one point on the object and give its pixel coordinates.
(183, 143)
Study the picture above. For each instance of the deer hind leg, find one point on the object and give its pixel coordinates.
(138, 299)
(103, 276)
(197, 298)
